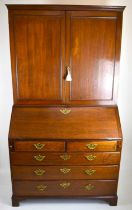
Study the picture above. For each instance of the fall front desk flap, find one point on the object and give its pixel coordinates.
(64, 123)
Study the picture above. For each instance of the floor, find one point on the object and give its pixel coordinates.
(124, 203)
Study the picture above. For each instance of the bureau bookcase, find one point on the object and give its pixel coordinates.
(65, 137)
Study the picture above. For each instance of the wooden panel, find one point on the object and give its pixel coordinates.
(25, 158)
(80, 123)
(92, 146)
(64, 172)
(92, 56)
(77, 187)
(38, 56)
(39, 146)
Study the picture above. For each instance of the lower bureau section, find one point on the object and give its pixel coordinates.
(64, 172)
(67, 187)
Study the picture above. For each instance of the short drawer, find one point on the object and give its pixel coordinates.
(64, 172)
(32, 158)
(39, 146)
(65, 187)
(92, 146)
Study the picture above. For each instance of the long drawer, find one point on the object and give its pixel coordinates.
(108, 146)
(34, 158)
(65, 187)
(39, 146)
(64, 172)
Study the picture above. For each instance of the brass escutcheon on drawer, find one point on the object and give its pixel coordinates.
(89, 171)
(90, 157)
(65, 157)
(39, 172)
(41, 187)
(39, 157)
(89, 187)
(65, 111)
(65, 170)
(91, 146)
(39, 146)
(65, 185)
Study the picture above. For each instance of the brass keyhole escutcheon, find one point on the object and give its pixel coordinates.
(89, 171)
(89, 187)
(39, 146)
(65, 185)
(41, 187)
(65, 170)
(91, 146)
(39, 172)
(90, 157)
(65, 111)
(39, 157)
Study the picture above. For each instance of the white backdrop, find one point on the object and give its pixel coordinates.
(124, 103)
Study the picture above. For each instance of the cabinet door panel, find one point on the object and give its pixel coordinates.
(91, 54)
(39, 45)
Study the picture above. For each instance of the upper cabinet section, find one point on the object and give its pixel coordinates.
(49, 42)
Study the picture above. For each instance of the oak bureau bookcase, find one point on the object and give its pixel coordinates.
(65, 136)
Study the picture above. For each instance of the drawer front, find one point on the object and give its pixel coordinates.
(32, 158)
(64, 172)
(65, 187)
(39, 146)
(92, 146)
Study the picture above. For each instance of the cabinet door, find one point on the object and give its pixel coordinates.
(37, 49)
(92, 52)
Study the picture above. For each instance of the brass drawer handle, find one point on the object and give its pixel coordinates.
(39, 146)
(65, 185)
(65, 111)
(65, 170)
(41, 187)
(90, 157)
(39, 157)
(65, 157)
(89, 171)
(91, 146)
(39, 172)
(89, 187)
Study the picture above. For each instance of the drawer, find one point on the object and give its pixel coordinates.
(92, 146)
(35, 158)
(39, 146)
(65, 187)
(64, 172)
